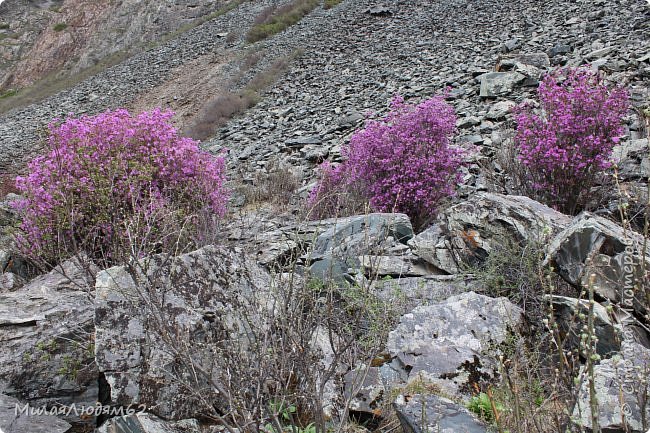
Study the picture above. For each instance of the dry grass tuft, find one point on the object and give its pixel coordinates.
(221, 108)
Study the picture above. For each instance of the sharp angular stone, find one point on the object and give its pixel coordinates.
(500, 110)
(411, 292)
(380, 10)
(467, 231)
(593, 247)
(302, 141)
(632, 159)
(597, 54)
(559, 49)
(10, 282)
(365, 390)
(362, 232)
(396, 266)
(147, 423)
(566, 311)
(338, 247)
(510, 62)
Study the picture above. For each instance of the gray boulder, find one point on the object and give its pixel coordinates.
(10, 282)
(595, 251)
(350, 235)
(340, 271)
(157, 327)
(531, 65)
(147, 423)
(16, 417)
(567, 312)
(364, 389)
(432, 413)
(407, 293)
(500, 110)
(379, 10)
(395, 266)
(467, 232)
(495, 84)
(337, 248)
(623, 376)
(448, 344)
(46, 335)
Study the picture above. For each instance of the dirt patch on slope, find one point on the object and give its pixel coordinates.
(189, 87)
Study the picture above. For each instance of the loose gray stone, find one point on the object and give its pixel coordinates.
(566, 311)
(322, 343)
(410, 292)
(10, 282)
(595, 251)
(361, 232)
(364, 388)
(500, 110)
(499, 83)
(632, 159)
(559, 49)
(147, 423)
(432, 413)
(302, 141)
(599, 53)
(395, 266)
(338, 247)
(379, 10)
(468, 231)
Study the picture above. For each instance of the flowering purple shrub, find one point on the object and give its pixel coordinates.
(565, 149)
(114, 182)
(403, 163)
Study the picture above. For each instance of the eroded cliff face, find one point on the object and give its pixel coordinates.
(21, 22)
(63, 37)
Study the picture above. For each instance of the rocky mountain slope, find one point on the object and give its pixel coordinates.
(414, 50)
(447, 338)
(63, 37)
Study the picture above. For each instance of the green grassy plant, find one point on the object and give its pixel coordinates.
(274, 20)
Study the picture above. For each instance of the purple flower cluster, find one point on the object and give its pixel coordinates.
(108, 175)
(402, 163)
(565, 149)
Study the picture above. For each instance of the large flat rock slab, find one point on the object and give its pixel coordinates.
(452, 343)
(156, 328)
(46, 335)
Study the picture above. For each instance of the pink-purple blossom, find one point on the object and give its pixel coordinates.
(402, 163)
(104, 175)
(566, 147)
